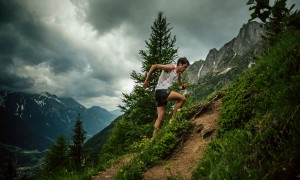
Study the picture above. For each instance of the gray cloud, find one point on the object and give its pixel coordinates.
(206, 23)
(87, 49)
(106, 15)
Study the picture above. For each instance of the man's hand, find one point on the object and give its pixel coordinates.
(146, 83)
(183, 86)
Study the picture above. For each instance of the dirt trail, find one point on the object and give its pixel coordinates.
(186, 157)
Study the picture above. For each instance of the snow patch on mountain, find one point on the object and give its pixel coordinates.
(40, 102)
(225, 71)
(48, 95)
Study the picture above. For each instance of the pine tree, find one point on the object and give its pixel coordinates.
(276, 18)
(77, 153)
(57, 156)
(139, 105)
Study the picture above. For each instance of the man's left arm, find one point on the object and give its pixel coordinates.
(181, 85)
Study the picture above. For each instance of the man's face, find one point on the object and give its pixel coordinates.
(182, 67)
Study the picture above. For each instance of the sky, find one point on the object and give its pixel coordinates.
(86, 49)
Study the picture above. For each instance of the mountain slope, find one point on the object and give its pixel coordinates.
(95, 143)
(225, 64)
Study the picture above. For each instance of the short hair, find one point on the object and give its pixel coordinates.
(183, 60)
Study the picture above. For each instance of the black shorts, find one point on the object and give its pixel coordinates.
(161, 96)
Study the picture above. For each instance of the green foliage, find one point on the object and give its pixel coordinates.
(268, 85)
(160, 50)
(276, 18)
(63, 174)
(154, 150)
(139, 106)
(140, 100)
(131, 171)
(64, 160)
(225, 157)
(77, 152)
(57, 157)
(259, 127)
(95, 144)
(121, 140)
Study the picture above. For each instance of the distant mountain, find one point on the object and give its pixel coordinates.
(33, 121)
(225, 64)
(117, 112)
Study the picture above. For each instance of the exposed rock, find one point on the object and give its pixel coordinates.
(238, 53)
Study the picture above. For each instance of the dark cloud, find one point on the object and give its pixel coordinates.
(87, 49)
(25, 38)
(106, 15)
(209, 22)
(11, 81)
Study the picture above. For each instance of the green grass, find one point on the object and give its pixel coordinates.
(63, 174)
(157, 149)
(259, 125)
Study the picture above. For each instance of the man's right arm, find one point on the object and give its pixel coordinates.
(153, 67)
(146, 83)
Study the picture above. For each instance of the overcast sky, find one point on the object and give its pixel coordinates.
(86, 49)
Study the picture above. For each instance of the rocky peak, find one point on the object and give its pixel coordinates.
(249, 35)
(231, 55)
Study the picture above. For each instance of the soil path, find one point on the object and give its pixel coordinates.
(185, 159)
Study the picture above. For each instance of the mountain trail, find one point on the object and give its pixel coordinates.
(184, 160)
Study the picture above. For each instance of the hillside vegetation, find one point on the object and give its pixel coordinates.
(259, 128)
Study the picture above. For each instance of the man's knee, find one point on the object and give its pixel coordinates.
(182, 98)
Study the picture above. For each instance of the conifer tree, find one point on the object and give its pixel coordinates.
(57, 156)
(139, 105)
(276, 18)
(77, 151)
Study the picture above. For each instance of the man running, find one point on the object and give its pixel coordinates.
(162, 93)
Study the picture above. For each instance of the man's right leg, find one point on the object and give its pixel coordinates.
(161, 111)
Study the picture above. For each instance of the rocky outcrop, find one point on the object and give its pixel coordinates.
(238, 53)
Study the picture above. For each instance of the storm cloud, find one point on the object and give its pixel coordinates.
(87, 49)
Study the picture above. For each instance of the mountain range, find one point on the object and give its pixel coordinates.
(225, 64)
(33, 121)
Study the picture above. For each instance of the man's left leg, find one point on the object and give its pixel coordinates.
(180, 101)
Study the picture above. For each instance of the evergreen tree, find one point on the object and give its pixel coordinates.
(57, 157)
(139, 105)
(276, 18)
(77, 152)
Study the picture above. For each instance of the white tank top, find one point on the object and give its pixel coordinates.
(166, 79)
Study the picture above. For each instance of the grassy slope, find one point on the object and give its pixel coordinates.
(259, 128)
